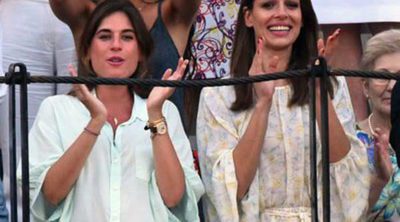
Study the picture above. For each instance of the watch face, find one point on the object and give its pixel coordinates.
(161, 128)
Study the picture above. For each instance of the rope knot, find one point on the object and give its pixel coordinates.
(17, 74)
(319, 67)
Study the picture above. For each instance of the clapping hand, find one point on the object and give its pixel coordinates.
(383, 165)
(261, 66)
(158, 95)
(92, 103)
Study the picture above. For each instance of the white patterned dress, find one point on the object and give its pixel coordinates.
(280, 190)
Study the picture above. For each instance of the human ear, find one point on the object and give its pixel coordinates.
(248, 17)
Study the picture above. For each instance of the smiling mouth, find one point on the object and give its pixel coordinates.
(279, 28)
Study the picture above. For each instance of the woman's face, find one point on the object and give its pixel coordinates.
(379, 91)
(277, 21)
(114, 50)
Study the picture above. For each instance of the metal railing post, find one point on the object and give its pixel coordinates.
(24, 75)
(12, 144)
(313, 143)
(324, 80)
(19, 75)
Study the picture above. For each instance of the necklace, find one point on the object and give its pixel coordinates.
(370, 124)
(116, 121)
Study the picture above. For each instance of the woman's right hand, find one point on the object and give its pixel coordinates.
(96, 108)
(263, 90)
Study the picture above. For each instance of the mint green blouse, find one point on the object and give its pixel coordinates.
(117, 182)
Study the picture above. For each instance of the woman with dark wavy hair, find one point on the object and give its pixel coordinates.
(91, 157)
(254, 140)
(170, 23)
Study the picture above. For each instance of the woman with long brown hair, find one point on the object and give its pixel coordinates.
(254, 139)
(91, 158)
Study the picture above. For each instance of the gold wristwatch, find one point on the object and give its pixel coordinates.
(157, 127)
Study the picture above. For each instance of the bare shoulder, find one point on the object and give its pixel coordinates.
(72, 12)
(181, 11)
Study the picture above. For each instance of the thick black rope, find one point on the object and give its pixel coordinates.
(156, 82)
(199, 83)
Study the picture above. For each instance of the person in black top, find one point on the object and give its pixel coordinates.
(394, 138)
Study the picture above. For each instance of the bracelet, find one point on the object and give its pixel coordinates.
(153, 123)
(91, 132)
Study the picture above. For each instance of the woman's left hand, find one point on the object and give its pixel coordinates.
(383, 165)
(326, 49)
(158, 95)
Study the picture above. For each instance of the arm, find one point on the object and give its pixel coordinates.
(339, 144)
(169, 173)
(183, 10)
(73, 12)
(168, 170)
(246, 154)
(383, 166)
(376, 189)
(218, 137)
(63, 174)
(349, 172)
(186, 208)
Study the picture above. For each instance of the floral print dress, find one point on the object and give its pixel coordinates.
(387, 208)
(280, 190)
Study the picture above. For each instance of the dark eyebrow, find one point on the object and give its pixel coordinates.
(109, 31)
(128, 30)
(103, 31)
